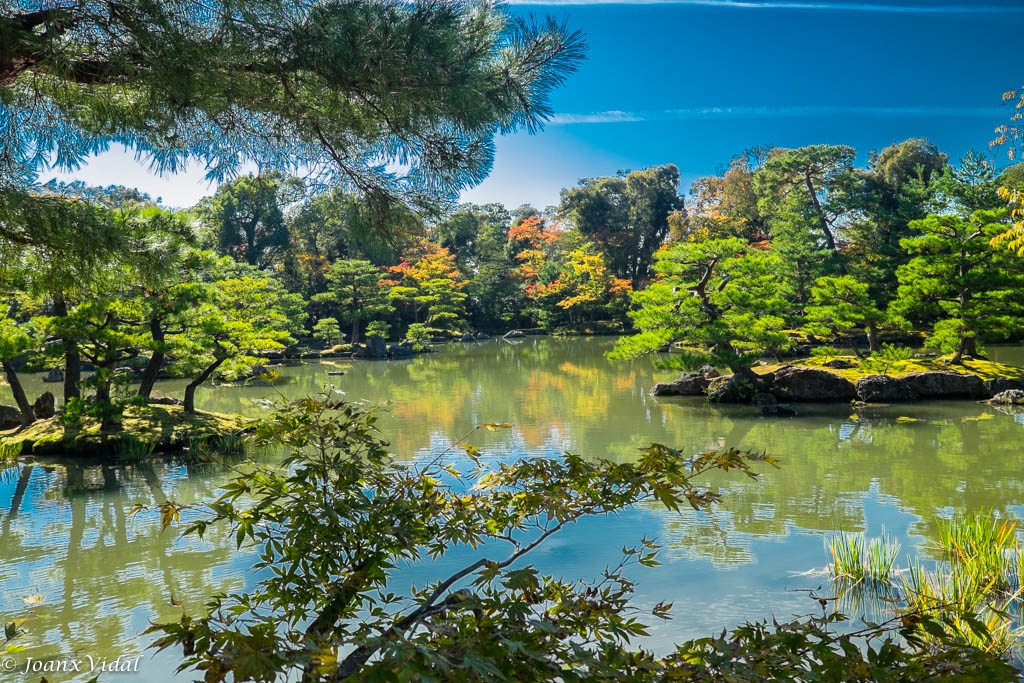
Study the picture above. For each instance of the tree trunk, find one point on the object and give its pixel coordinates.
(961, 348)
(111, 417)
(250, 245)
(156, 330)
(72, 358)
(829, 238)
(872, 332)
(102, 385)
(971, 348)
(27, 416)
(190, 390)
(355, 331)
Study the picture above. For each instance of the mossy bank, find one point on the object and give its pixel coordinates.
(158, 428)
(847, 378)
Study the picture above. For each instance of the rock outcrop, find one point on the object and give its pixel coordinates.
(998, 385)
(690, 384)
(709, 371)
(10, 418)
(44, 408)
(1009, 397)
(54, 375)
(798, 383)
(165, 401)
(738, 387)
(945, 385)
(810, 384)
(398, 351)
(884, 389)
(920, 385)
(375, 348)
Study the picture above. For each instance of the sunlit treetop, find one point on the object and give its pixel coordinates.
(396, 100)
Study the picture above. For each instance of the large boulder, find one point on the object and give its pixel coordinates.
(165, 401)
(689, 384)
(44, 408)
(998, 385)
(54, 375)
(375, 348)
(10, 418)
(946, 385)
(738, 387)
(811, 384)
(884, 389)
(1009, 397)
(400, 351)
(709, 371)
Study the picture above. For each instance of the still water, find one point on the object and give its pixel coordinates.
(90, 578)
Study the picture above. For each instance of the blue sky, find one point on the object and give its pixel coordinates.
(694, 82)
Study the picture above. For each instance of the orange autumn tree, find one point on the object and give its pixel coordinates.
(427, 287)
(566, 279)
(537, 249)
(588, 288)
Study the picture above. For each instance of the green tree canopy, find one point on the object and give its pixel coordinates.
(841, 305)
(960, 282)
(626, 216)
(721, 300)
(247, 216)
(356, 291)
(894, 190)
(803, 187)
(234, 317)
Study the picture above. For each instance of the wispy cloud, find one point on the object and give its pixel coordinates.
(616, 116)
(789, 5)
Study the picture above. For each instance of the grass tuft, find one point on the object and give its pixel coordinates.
(974, 592)
(131, 450)
(9, 451)
(856, 559)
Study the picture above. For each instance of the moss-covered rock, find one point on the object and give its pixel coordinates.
(168, 428)
(853, 368)
(811, 384)
(874, 381)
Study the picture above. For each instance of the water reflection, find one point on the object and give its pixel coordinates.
(99, 575)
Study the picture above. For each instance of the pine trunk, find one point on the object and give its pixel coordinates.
(155, 360)
(190, 390)
(872, 332)
(27, 415)
(72, 358)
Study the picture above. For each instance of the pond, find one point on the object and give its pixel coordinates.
(91, 577)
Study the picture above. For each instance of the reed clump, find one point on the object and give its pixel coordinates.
(974, 588)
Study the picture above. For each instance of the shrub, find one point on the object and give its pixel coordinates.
(380, 328)
(328, 332)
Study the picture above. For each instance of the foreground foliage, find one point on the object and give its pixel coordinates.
(334, 526)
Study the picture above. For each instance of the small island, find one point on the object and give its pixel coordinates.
(143, 430)
(849, 378)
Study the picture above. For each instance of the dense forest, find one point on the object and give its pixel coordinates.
(781, 246)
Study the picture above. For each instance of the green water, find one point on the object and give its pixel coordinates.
(90, 577)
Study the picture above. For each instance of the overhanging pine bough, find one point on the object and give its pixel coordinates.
(342, 88)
